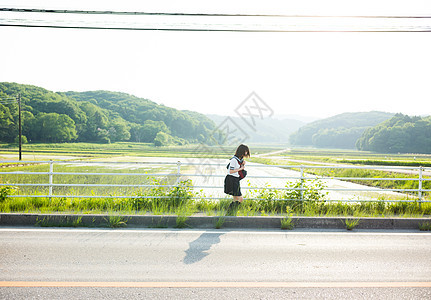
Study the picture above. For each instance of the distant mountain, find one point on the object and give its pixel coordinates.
(96, 116)
(268, 130)
(340, 131)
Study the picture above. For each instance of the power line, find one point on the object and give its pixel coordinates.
(138, 13)
(199, 29)
(29, 23)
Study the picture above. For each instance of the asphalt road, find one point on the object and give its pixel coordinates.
(178, 264)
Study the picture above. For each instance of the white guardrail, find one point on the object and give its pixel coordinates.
(176, 176)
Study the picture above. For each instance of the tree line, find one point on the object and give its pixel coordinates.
(97, 116)
(368, 131)
(401, 133)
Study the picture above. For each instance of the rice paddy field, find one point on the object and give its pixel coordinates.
(90, 150)
(356, 157)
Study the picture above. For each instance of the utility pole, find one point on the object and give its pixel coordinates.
(19, 126)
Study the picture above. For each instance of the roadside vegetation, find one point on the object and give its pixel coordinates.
(184, 202)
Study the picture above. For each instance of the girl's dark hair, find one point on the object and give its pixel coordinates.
(241, 150)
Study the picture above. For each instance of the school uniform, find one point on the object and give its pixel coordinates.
(231, 181)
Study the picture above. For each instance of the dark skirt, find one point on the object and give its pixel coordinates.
(231, 186)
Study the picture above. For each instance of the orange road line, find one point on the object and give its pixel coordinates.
(216, 284)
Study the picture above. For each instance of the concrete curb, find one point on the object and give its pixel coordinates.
(206, 222)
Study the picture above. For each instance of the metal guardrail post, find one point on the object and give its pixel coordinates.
(51, 175)
(302, 183)
(420, 186)
(178, 172)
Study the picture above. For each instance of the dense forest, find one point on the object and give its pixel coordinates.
(340, 131)
(98, 116)
(401, 133)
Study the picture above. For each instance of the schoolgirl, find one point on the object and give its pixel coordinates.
(231, 181)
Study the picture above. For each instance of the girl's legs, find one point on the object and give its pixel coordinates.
(237, 198)
(233, 207)
(236, 201)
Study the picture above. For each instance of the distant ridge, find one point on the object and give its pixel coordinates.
(339, 131)
(267, 130)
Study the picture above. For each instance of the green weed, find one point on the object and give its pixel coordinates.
(220, 220)
(52, 222)
(351, 223)
(6, 191)
(116, 221)
(181, 221)
(425, 226)
(287, 223)
(183, 213)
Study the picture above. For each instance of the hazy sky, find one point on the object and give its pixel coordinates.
(310, 74)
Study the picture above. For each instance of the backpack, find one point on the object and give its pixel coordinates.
(241, 173)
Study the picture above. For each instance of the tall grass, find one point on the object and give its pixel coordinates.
(181, 200)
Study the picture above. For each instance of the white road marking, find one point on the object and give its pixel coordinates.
(210, 231)
(216, 284)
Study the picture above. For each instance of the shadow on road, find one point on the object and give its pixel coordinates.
(197, 248)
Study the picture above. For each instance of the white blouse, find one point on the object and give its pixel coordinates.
(234, 165)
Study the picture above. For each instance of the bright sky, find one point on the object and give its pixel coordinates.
(309, 74)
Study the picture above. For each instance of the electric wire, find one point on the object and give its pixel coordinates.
(200, 29)
(151, 27)
(137, 13)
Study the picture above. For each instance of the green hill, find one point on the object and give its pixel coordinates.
(96, 116)
(340, 131)
(401, 133)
